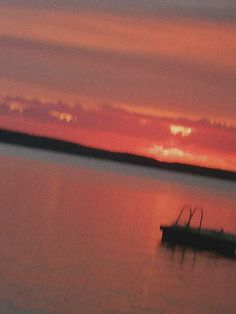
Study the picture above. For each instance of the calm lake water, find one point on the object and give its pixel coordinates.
(79, 235)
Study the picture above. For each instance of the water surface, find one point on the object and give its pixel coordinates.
(78, 235)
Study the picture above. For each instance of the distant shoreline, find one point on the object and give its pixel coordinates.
(50, 144)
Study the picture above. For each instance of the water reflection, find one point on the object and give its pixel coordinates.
(79, 236)
(10, 309)
(188, 256)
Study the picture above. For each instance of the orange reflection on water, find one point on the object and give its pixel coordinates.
(81, 236)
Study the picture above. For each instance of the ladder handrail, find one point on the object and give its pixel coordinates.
(201, 217)
(181, 212)
(191, 214)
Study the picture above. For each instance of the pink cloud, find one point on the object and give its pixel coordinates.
(205, 144)
(164, 65)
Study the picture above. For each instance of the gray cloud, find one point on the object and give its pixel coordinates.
(207, 9)
(205, 137)
(159, 81)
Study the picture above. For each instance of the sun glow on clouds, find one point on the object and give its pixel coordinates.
(17, 107)
(143, 84)
(62, 116)
(168, 152)
(174, 154)
(121, 59)
(178, 129)
(116, 129)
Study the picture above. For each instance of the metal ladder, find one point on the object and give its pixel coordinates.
(191, 214)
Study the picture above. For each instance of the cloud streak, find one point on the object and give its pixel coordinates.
(108, 77)
(210, 9)
(151, 136)
(163, 83)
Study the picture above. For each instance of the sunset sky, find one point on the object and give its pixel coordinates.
(154, 78)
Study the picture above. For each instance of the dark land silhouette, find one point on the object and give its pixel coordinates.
(27, 140)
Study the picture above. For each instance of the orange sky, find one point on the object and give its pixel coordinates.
(160, 85)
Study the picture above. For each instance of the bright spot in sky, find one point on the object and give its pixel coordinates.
(168, 152)
(144, 121)
(179, 129)
(62, 116)
(16, 107)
